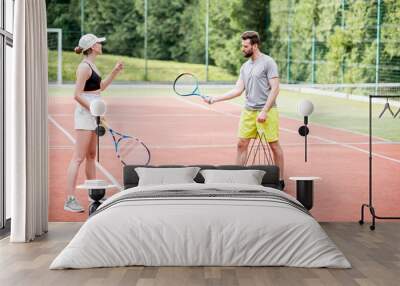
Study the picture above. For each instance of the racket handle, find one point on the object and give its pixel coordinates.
(207, 99)
(104, 123)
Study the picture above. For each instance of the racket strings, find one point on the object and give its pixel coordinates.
(130, 150)
(186, 84)
(262, 150)
(133, 152)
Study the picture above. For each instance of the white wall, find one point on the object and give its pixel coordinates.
(9, 27)
(9, 63)
(9, 15)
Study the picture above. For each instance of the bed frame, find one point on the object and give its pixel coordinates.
(270, 179)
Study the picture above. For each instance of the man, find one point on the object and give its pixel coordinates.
(259, 77)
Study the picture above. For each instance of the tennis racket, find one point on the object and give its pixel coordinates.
(186, 84)
(129, 150)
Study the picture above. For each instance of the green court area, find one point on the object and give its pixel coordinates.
(134, 68)
(329, 111)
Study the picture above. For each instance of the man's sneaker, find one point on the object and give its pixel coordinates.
(281, 185)
(72, 205)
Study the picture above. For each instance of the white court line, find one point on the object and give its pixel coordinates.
(339, 129)
(296, 132)
(162, 85)
(346, 146)
(98, 165)
(327, 141)
(124, 115)
(238, 104)
(194, 146)
(321, 125)
(130, 115)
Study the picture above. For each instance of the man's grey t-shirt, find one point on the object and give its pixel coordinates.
(256, 75)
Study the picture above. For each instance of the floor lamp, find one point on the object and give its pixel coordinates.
(98, 109)
(305, 108)
(96, 193)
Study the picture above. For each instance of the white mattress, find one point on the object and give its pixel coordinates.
(190, 230)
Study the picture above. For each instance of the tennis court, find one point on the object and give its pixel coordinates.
(184, 130)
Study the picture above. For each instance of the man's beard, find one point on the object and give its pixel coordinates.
(248, 54)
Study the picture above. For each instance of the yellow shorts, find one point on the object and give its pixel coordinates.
(248, 125)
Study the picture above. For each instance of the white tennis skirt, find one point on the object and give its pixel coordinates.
(84, 120)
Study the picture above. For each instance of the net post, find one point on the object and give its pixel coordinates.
(82, 16)
(206, 37)
(59, 59)
(145, 40)
(342, 64)
(378, 44)
(59, 53)
(289, 41)
(313, 54)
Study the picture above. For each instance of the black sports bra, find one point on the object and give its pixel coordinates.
(93, 82)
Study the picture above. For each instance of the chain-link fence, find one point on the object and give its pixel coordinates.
(338, 41)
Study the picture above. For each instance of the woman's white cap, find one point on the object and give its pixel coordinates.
(87, 41)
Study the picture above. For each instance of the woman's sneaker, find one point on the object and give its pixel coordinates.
(72, 205)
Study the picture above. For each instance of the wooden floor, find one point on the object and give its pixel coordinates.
(374, 255)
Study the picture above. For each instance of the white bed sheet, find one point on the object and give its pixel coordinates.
(191, 231)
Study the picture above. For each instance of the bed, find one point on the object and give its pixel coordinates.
(201, 224)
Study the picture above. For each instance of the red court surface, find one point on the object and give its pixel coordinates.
(186, 131)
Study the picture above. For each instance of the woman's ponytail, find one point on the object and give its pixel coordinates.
(78, 50)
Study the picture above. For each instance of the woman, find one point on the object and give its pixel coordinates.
(88, 87)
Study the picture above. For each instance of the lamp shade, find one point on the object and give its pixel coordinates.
(305, 107)
(98, 107)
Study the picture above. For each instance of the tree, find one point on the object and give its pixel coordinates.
(65, 14)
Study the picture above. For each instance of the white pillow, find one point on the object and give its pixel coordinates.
(165, 176)
(248, 177)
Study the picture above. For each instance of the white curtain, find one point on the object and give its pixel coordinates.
(26, 117)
